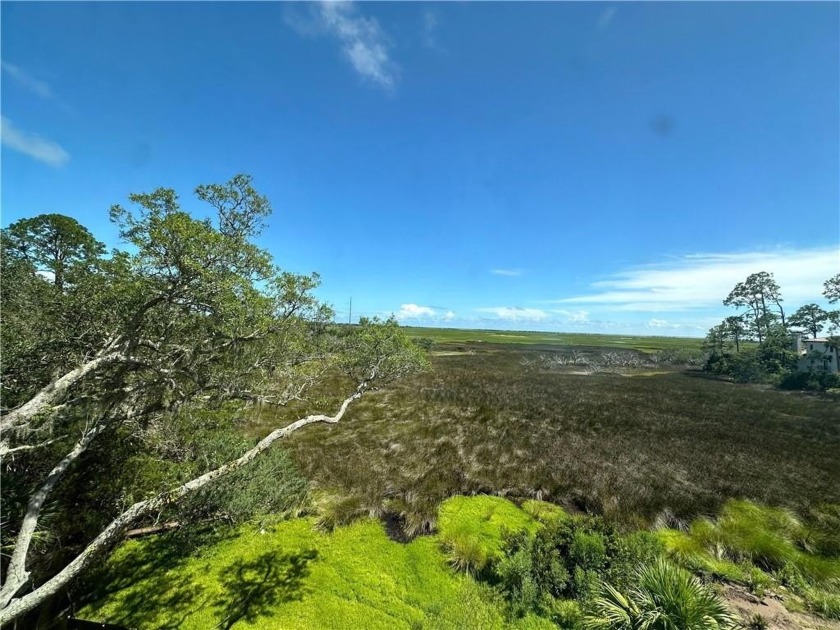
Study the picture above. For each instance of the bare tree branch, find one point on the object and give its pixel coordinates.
(7, 450)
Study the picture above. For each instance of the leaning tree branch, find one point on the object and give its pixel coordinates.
(16, 573)
(14, 608)
(54, 392)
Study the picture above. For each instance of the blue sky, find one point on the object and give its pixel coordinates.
(600, 167)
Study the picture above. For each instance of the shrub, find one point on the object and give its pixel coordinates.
(628, 552)
(588, 550)
(270, 488)
(665, 597)
(566, 613)
(810, 380)
(515, 574)
(568, 559)
(424, 343)
(757, 622)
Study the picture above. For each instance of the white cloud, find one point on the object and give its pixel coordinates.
(33, 145)
(449, 315)
(662, 323)
(415, 311)
(606, 17)
(363, 42)
(574, 317)
(516, 313)
(506, 272)
(703, 280)
(27, 81)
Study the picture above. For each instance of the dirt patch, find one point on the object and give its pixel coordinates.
(746, 605)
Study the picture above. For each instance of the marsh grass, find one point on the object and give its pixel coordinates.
(672, 445)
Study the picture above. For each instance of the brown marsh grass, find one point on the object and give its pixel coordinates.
(668, 445)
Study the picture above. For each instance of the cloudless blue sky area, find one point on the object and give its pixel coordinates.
(560, 166)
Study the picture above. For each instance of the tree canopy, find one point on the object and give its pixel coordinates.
(193, 315)
(811, 317)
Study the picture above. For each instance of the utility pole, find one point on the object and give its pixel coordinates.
(350, 316)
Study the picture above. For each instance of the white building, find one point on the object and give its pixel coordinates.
(815, 354)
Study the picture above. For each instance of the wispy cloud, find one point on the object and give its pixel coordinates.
(606, 17)
(430, 23)
(515, 313)
(33, 145)
(573, 317)
(702, 281)
(662, 323)
(415, 311)
(26, 80)
(363, 41)
(507, 272)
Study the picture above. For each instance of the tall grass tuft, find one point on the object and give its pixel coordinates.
(747, 541)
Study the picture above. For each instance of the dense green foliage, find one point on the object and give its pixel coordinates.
(568, 559)
(763, 547)
(472, 529)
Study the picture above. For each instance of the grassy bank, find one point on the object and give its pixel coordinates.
(293, 576)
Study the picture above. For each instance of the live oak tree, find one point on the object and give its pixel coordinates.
(191, 315)
(811, 317)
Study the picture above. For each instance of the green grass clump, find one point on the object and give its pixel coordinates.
(544, 512)
(746, 542)
(823, 603)
(763, 547)
(472, 529)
